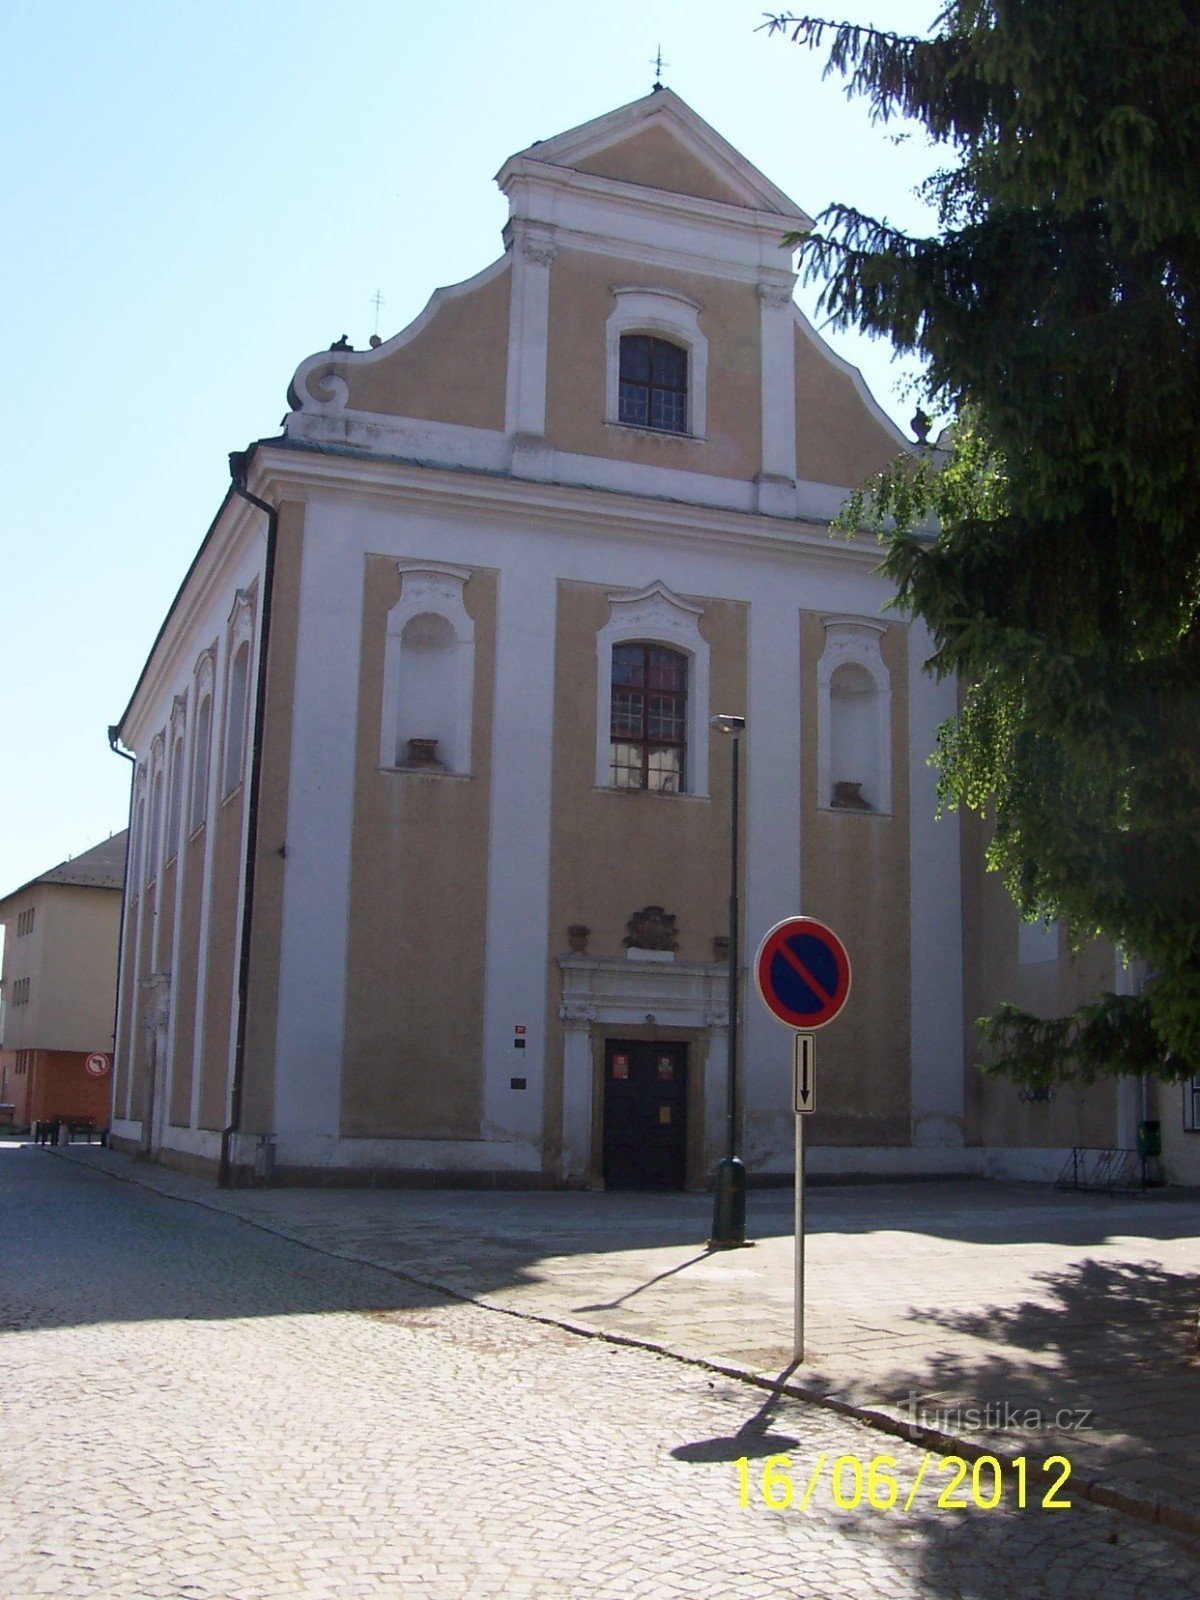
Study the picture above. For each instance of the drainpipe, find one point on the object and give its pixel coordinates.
(114, 744)
(239, 462)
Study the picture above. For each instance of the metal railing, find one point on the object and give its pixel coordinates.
(1114, 1171)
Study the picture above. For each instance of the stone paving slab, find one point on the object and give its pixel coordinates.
(1008, 1317)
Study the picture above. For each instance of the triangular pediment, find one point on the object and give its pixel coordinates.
(660, 143)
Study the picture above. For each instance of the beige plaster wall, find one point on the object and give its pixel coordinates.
(79, 967)
(454, 370)
(22, 959)
(993, 973)
(262, 1000)
(184, 980)
(581, 302)
(854, 875)
(838, 439)
(655, 158)
(413, 1043)
(165, 920)
(1180, 1145)
(615, 850)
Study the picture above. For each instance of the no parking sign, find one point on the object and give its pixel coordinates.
(802, 972)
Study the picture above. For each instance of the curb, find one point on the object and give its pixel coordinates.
(1112, 1497)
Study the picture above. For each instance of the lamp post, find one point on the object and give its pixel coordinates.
(729, 1194)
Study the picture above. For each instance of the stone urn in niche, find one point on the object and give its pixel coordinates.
(422, 754)
(849, 797)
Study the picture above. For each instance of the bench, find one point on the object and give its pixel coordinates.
(61, 1130)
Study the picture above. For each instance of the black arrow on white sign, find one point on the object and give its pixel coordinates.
(804, 1074)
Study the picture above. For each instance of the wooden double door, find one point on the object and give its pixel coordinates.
(645, 1114)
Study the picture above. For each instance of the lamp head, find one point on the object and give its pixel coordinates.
(727, 724)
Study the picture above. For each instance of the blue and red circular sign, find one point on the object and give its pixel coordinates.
(802, 972)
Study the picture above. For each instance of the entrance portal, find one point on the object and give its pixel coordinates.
(645, 1114)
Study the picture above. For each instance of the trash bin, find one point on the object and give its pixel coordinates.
(1149, 1139)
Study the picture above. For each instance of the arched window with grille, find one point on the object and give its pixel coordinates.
(648, 722)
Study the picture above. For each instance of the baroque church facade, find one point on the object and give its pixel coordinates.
(430, 860)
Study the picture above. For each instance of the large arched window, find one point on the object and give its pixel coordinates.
(235, 718)
(649, 718)
(175, 785)
(652, 694)
(153, 836)
(653, 383)
(203, 742)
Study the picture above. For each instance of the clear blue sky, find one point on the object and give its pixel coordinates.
(198, 194)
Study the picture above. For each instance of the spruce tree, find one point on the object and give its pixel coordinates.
(1055, 309)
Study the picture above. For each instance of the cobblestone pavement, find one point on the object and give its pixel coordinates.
(194, 1408)
(999, 1313)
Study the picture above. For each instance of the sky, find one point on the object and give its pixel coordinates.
(200, 194)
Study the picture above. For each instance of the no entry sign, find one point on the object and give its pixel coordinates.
(802, 972)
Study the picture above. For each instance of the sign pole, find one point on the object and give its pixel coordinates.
(798, 1298)
(802, 974)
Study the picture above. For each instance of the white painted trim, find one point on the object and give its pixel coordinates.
(521, 766)
(405, 441)
(448, 444)
(773, 754)
(1016, 1163)
(532, 251)
(310, 1026)
(778, 385)
(656, 615)
(937, 1073)
(421, 1155)
(623, 219)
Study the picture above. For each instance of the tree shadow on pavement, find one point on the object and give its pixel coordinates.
(1102, 1366)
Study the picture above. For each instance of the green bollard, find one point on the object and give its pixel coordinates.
(729, 1205)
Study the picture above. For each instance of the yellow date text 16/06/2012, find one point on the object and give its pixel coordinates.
(879, 1484)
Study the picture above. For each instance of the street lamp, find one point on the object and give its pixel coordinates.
(729, 1194)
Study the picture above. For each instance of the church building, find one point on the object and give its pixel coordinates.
(429, 876)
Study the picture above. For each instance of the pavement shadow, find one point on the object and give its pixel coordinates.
(754, 1439)
(1103, 1366)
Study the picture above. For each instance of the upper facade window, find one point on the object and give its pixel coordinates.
(649, 718)
(25, 922)
(653, 387)
(656, 374)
